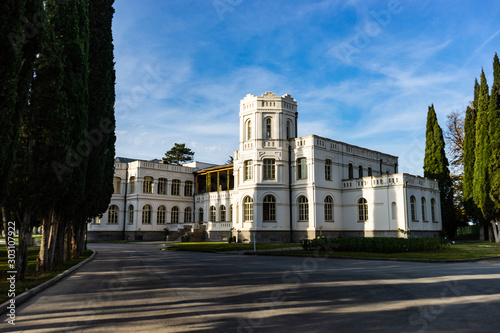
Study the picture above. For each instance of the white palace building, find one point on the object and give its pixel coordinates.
(281, 188)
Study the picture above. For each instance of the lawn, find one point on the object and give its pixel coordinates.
(224, 246)
(452, 252)
(33, 278)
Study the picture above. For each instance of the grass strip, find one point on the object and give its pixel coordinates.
(33, 278)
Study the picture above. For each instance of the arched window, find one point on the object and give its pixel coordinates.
(113, 214)
(213, 214)
(188, 188)
(269, 208)
(362, 210)
(328, 169)
(130, 214)
(147, 185)
(200, 214)
(174, 215)
(188, 218)
(132, 184)
(302, 168)
(230, 213)
(433, 210)
(413, 208)
(269, 169)
(351, 171)
(248, 170)
(370, 172)
(162, 185)
(146, 214)
(268, 128)
(248, 209)
(394, 211)
(176, 187)
(161, 216)
(288, 130)
(360, 171)
(222, 213)
(116, 185)
(424, 215)
(249, 130)
(328, 208)
(303, 209)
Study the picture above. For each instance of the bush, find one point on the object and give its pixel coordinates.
(374, 244)
(185, 238)
(231, 239)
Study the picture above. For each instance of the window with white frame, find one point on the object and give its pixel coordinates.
(362, 210)
(222, 213)
(302, 168)
(117, 185)
(176, 187)
(328, 208)
(328, 169)
(161, 217)
(146, 214)
(424, 211)
(268, 128)
(413, 208)
(248, 170)
(188, 188)
(213, 214)
(303, 204)
(188, 215)
(248, 209)
(162, 185)
(269, 208)
(113, 214)
(147, 185)
(130, 214)
(269, 169)
(132, 184)
(174, 215)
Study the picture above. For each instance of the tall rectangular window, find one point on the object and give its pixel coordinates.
(147, 185)
(248, 170)
(162, 185)
(269, 168)
(188, 188)
(176, 187)
(328, 169)
(302, 168)
(116, 185)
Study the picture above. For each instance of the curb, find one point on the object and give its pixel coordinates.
(20, 299)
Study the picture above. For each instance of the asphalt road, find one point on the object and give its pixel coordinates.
(139, 288)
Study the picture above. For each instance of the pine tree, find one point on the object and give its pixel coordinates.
(436, 167)
(482, 151)
(178, 154)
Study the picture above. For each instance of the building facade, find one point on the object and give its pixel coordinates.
(280, 188)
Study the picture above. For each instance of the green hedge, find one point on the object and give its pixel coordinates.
(374, 244)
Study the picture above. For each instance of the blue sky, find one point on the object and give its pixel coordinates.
(362, 72)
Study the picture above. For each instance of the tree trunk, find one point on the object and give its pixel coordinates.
(44, 246)
(54, 228)
(59, 244)
(23, 243)
(67, 241)
(77, 245)
(4, 221)
(495, 230)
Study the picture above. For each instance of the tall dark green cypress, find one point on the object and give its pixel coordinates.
(101, 124)
(11, 38)
(74, 29)
(436, 167)
(494, 126)
(469, 160)
(482, 152)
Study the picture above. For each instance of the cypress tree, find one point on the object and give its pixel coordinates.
(494, 165)
(10, 71)
(482, 152)
(436, 167)
(469, 160)
(101, 121)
